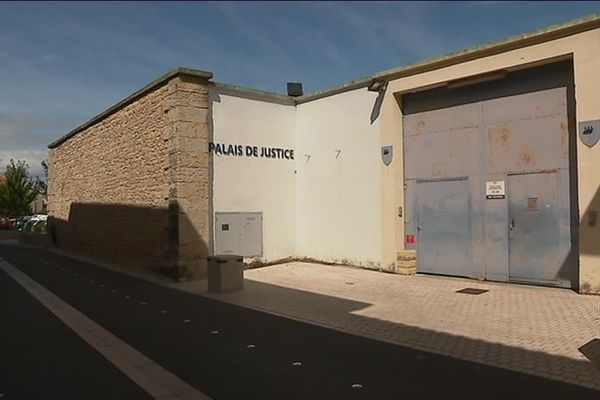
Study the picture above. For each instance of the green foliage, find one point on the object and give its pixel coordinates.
(42, 184)
(18, 190)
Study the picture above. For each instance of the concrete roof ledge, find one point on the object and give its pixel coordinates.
(254, 94)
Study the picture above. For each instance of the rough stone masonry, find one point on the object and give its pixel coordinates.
(132, 185)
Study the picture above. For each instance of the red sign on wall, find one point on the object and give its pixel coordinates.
(410, 238)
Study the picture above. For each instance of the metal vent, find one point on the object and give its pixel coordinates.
(472, 291)
(294, 89)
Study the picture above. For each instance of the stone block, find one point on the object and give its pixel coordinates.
(406, 255)
(225, 273)
(406, 264)
(406, 270)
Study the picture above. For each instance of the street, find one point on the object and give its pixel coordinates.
(223, 350)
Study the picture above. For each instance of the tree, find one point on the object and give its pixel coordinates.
(18, 190)
(42, 184)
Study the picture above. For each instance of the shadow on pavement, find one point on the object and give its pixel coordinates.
(223, 366)
(325, 310)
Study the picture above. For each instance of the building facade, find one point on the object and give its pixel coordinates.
(481, 164)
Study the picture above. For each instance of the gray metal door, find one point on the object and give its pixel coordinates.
(533, 228)
(443, 232)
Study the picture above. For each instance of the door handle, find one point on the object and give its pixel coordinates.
(419, 228)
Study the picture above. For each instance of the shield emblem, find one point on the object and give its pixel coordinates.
(589, 132)
(387, 153)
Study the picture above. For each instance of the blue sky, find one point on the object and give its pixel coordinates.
(63, 63)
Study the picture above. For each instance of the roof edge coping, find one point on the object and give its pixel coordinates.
(254, 94)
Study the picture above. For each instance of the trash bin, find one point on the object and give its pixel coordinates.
(225, 273)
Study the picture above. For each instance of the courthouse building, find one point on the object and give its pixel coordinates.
(483, 163)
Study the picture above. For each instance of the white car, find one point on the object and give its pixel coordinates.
(33, 222)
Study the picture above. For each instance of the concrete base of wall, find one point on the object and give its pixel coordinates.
(406, 263)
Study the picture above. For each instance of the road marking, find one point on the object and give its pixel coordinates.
(151, 377)
(214, 332)
(297, 364)
(251, 346)
(186, 321)
(163, 311)
(357, 386)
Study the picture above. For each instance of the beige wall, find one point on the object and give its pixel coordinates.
(106, 175)
(128, 188)
(250, 184)
(585, 50)
(188, 170)
(339, 169)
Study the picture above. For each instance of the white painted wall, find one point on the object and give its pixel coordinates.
(338, 194)
(249, 184)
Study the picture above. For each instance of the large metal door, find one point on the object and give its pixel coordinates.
(443, 233)
(533, 228)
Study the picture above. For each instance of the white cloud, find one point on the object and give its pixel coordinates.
(32, 157)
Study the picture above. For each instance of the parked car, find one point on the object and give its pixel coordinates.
(6, 223)
(22, 221)
(34, 223)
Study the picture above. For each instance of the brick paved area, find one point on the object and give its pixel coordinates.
(528, 329)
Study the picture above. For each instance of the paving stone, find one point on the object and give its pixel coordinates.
(534, 330)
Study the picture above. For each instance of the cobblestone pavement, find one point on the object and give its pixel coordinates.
(528, 329)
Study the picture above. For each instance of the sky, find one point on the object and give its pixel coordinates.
(61, 63)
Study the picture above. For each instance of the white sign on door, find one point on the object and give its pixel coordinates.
(494, 190)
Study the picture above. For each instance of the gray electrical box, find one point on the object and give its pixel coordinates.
(239, 233)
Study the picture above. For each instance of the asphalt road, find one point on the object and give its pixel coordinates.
(41, 358)
(178, 331)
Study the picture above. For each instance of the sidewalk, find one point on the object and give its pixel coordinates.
(527, 329)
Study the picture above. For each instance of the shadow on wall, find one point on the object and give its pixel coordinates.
(134, 236)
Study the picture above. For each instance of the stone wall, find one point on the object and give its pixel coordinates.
(189, 189)
(119, 190)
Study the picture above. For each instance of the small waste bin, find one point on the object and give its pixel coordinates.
(225, 273)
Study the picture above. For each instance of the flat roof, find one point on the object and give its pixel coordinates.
(541, 35)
